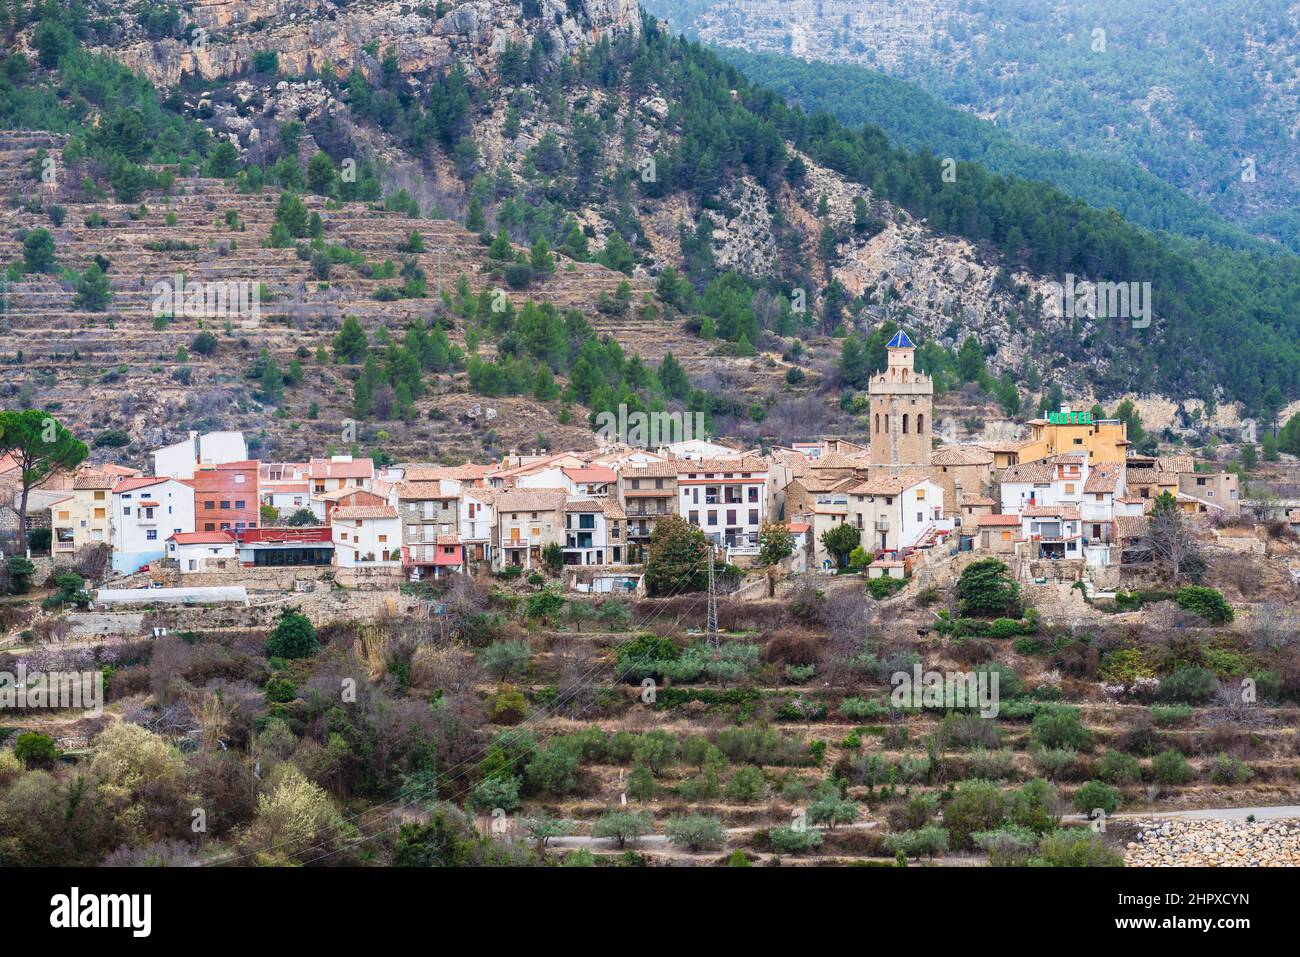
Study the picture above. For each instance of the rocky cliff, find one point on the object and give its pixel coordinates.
(311, 35)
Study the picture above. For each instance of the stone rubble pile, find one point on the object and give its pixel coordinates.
(1206, 843)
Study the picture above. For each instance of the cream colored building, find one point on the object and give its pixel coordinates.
(84, 517)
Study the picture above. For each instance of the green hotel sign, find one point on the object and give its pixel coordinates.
(1069, 418)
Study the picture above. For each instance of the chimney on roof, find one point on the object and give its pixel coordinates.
(1065, 407)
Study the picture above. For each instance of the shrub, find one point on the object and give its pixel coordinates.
(1095, 795)
(35, 750)
(1168, 714)
(292, 637)
(928, 841)
(656, 750)
(641, 784)
(1189, 685)
(994, 765)
(858, 709)
(1116, 767)
(1206, 602)
(496, 791)
(1036, 806)
(501, 659)
(977, 806)
(792, 840)
(508, 705)
(1229, 770)
(986, 589)
(1060, 728)
(1059, 764)
(1007, 846)
(747, 786)
(554, 772)
(696, 831)
(621, 826)
(1075, 848)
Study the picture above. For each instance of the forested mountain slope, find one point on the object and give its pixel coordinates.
(1201, 94)
(751, 237)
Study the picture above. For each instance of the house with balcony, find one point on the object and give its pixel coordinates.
(594, 532)
(1052, 531)
(477, 523)
(728, 499)
(145, 513)
(1058, 480)
(339, 471)
(648, 493)
(896, 513)
(285, 487)
(527, 520)
(821, 512)
(367, 538)
(84, 517)
(430, 513)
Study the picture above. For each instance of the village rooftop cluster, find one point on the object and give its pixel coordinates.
(1071, 494)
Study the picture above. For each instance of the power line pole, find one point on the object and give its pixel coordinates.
(711, 627)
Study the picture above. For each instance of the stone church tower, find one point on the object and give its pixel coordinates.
(901, 415)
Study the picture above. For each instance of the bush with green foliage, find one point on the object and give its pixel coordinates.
(1072, 847)
(695, 831)
(293, 636)
(1095, 795)
(986, 589)
(1209, 603)
(1170, 767)
(1189, 685)
(976, 806)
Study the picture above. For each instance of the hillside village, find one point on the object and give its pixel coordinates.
(495, 433)
(1070, 502)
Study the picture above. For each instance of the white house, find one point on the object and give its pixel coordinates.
(285, 487)
(1052, 531)
(727, 498)
(367, 536)
(146, 512)
(210, 448)
(899, 511)
(1058, 480)
(202, 551)
(594, 532)
(477, 522)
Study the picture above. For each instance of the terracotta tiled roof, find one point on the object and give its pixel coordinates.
(423, 491)
(961, 455)
(328, 469)
(202, 538)
(1007, 520)
(976, 500)
(364, 511)
(144, 481)
(530, 499)
(1068, 512)
(1103, 478)
(649, 470)
(888, 484)
(837, 460)
(591, 473)
(1131, 526)
(745, 463)
(584, 505)
(469, 472)
(1147, 477)
(613, 510)
(1008, 447)
(1040, 472)
(94, 480)
(798, 528)
(1176, 463)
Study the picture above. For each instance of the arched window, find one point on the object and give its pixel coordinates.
(920, 423)
(905, 423)
(886, 421)
(877, 423)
